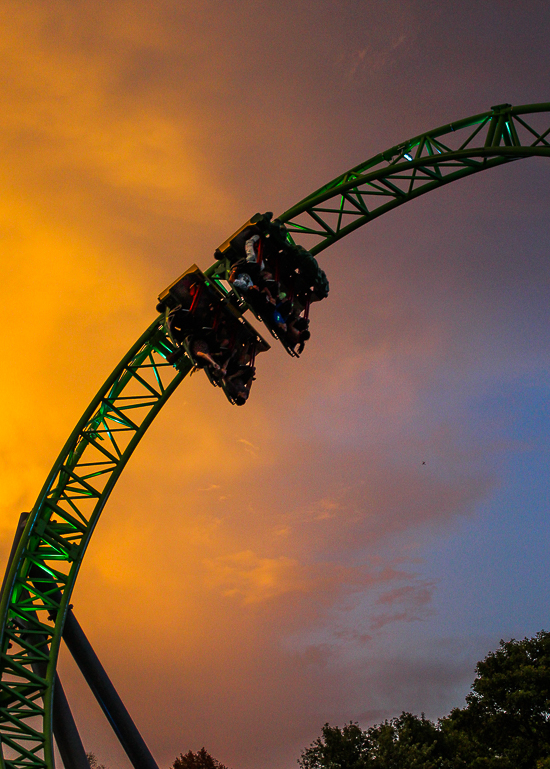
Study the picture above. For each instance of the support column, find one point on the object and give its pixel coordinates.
(65, 731)
(106, 694)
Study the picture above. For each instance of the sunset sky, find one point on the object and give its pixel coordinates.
(260, 571)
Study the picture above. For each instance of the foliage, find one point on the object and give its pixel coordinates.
(337, 748)
(94, 763)
(506, 721)
(407, 741)
(200, 760)
(504, 725)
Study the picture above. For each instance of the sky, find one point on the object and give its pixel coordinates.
(260, 571)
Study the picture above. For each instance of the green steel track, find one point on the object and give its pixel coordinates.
(417, 166)
(45, 567)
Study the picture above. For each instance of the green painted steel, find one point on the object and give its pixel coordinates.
(417, 166)
(39, 585)
(48, 558)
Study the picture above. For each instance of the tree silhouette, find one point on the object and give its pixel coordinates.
(504, 725)
(200, 760)
(94, 763)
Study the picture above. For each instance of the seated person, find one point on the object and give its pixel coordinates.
(202, 355)
(297, 332)
(302, 339)
(285, 305)
(194, 311)
(277, 322)
(250, 286)
(238, 385)
(253, 249)
(269, 288)
(241, 280)
(277, 315)
(240, 373)
(178, 323)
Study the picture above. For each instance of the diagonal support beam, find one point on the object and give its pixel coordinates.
(106, 695)
(65, 731)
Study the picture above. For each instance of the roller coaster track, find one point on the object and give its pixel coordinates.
(38, 587)
(414, 167)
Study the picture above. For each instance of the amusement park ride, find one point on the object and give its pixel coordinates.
(260, 269)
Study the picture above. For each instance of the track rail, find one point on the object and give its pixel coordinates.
(46, 563)
(417, 166)
(38, 588)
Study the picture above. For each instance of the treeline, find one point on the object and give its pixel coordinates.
(504, 725)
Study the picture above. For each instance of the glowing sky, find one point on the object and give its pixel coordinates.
(260, 571)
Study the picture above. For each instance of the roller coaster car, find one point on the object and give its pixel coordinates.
(291, 268)
(202, 322)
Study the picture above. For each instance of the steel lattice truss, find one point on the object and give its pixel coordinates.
(415, 167)
(46, 563)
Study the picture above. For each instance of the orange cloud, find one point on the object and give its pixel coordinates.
(253, 579)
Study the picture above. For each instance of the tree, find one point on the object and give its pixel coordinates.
(94, 763)
(410, 742)
(505, 724)
(346, 747)
(200, 760)
(506, 721)
(406, 742)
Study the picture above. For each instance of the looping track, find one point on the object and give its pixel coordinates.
(47, 561)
